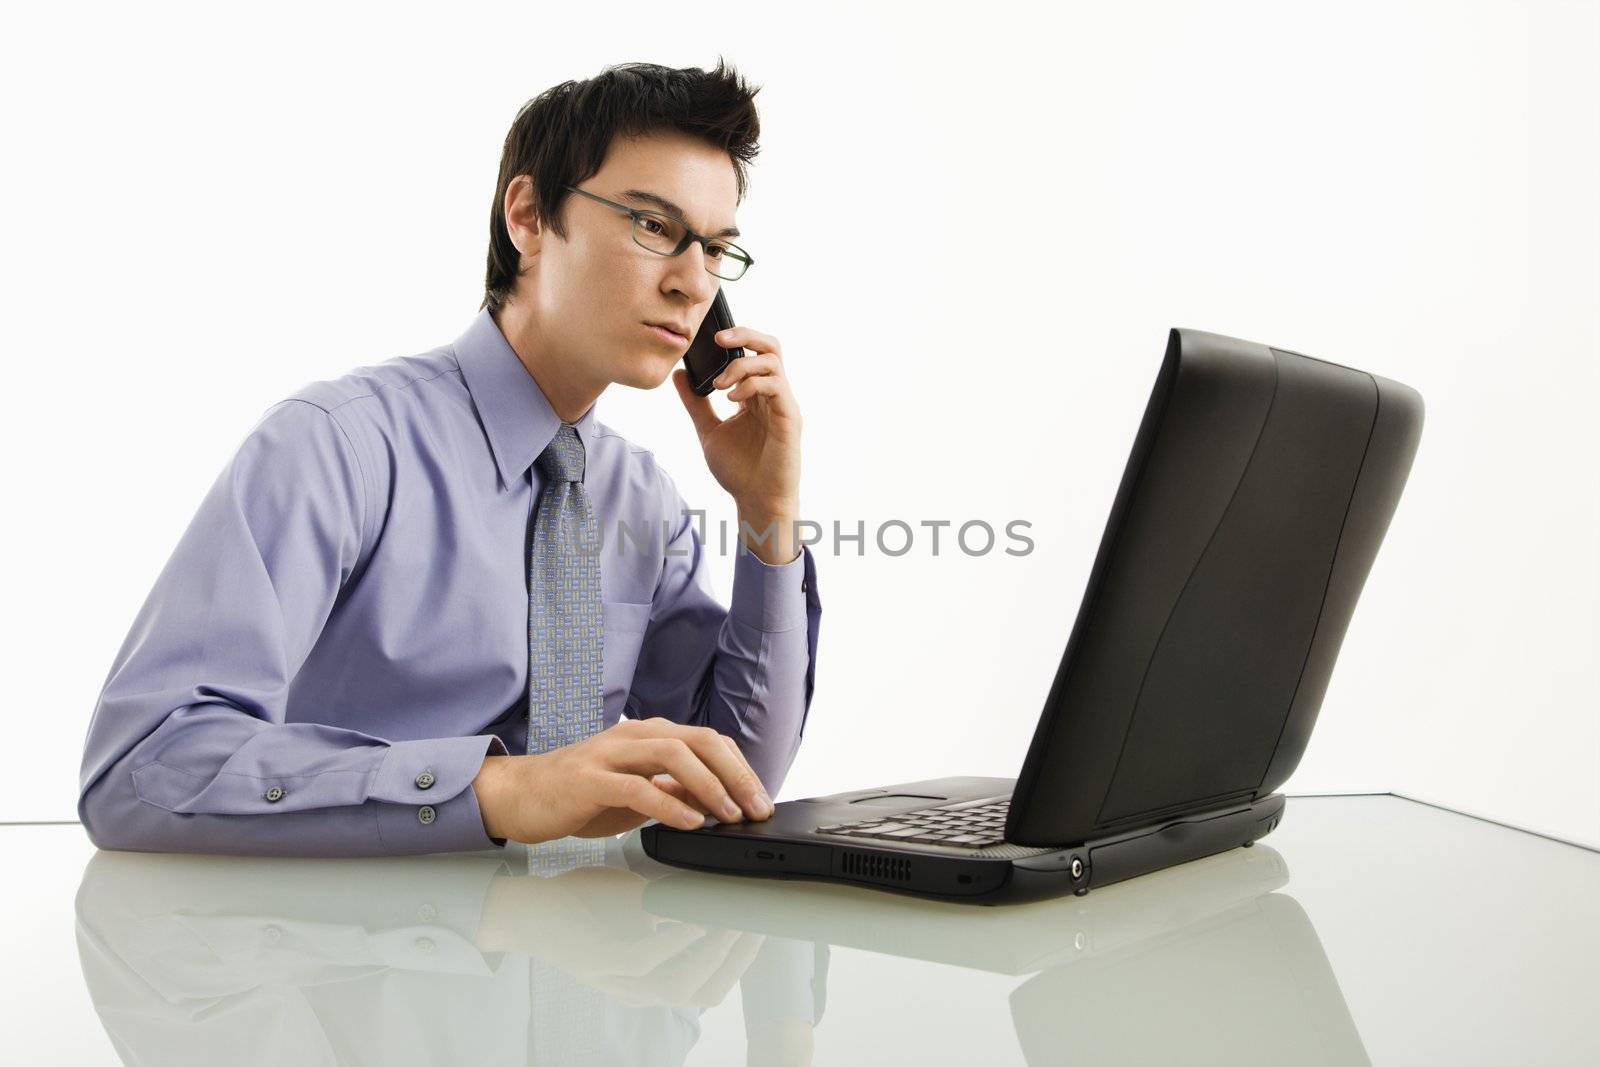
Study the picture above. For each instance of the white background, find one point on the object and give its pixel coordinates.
(973, 232)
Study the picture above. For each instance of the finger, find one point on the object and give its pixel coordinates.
(761, 385)
(721, 754)
(738, 753)
(644, 797)
(745, 337)
(699, 407)
(722, 757)
(763, 363)
(668, 784)
(673, 755)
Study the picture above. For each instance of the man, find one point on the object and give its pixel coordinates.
(387, 630)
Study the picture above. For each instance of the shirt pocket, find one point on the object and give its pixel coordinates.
(623, 624)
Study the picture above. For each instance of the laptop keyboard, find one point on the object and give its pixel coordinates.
(974, 824)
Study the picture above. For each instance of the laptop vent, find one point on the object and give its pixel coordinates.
(878, 868)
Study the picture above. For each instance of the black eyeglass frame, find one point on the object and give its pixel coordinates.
(734, 251)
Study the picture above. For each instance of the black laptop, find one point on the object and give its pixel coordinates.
(1260, 485)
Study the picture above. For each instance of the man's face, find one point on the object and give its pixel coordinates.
(593, 293)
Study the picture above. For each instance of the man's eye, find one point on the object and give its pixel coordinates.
(716, 251)
(646, 221)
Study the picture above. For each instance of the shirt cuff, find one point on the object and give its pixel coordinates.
(771, 597)
(427, 803)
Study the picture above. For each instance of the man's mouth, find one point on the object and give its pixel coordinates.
(668, 334)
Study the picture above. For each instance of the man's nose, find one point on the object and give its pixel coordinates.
(689, 275)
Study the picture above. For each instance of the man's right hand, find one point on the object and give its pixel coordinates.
(607, 784)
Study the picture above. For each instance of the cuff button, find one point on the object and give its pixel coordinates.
(424, 780)
(426, 814)
(273, 795)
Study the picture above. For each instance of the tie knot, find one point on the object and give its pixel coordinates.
(562, 458)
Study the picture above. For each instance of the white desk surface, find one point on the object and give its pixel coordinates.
(1365, 929)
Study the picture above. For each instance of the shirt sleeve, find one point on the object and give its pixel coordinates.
(746, 670)
(189, 749)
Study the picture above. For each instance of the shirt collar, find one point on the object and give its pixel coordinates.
(516, 415)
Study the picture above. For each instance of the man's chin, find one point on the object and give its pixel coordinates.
(649, 373)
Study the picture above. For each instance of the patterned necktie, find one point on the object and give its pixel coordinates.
(565, 705)
(564, 630)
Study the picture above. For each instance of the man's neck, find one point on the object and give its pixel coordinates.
(570, 396)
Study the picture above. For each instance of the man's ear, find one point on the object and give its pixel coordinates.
(522, 223)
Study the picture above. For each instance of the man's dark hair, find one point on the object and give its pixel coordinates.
(560, 137)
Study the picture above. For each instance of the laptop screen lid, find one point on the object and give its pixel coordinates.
(1258, 489)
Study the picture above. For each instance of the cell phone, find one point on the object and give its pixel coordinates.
(706, 359)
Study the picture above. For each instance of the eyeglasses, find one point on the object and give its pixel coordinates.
(666, 236)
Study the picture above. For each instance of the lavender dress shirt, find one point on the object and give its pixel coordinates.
(341, 635)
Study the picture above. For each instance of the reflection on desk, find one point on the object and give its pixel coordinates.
(427, 960)
(470, 959)
(1201, 963)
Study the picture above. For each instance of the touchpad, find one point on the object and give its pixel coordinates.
(895, 798)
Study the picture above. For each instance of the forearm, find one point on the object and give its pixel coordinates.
(763, 708)
(745, 668)
(768, 530)
(765, 664)
(220, 782)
